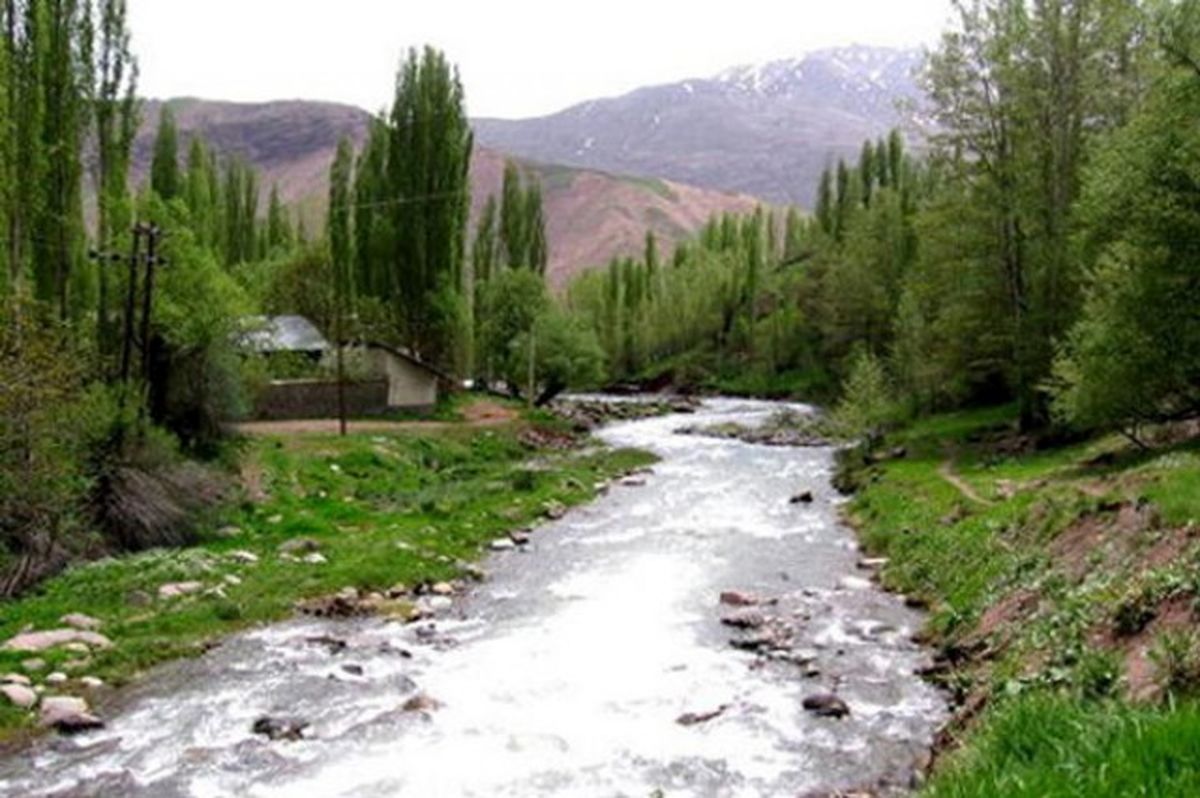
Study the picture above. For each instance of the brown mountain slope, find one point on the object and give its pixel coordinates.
(591, 215)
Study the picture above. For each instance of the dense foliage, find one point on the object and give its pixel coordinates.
(1042, 249)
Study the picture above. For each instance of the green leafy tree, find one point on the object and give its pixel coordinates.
(1133, 357)
(164, 167)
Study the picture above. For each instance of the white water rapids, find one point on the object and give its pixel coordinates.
(564, 673)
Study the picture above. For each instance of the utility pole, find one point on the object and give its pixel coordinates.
(132, 259)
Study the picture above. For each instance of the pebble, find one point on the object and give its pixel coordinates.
(177, 589)
(421, 703)
(299, 546)
(290, 729)
(826, 705)
(734, 598)
(502, 544)
(78, 620)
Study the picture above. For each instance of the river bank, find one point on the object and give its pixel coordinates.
(390, 513)
(1062, 582)
(693, 632)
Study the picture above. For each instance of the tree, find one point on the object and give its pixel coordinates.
(867, 404)
(514, 239)
(429, 151)
(1019, 91)
(117, 116)
(341, 242)
(1133, 357)
(279, 226)
(164, 168)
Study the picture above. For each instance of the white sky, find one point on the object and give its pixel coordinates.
(517, 57)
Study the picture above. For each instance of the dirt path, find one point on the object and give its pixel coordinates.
(478, 414)
(946, 471)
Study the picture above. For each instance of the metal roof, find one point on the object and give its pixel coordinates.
(282, 334)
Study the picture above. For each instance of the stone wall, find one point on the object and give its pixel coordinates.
(284, 400)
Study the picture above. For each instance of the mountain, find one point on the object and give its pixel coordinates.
(764, 130)
(591, 215)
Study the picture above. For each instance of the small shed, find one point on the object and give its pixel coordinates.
(413, 384)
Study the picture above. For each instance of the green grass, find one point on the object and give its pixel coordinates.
(1042, 746)
(1053, 726)
(386, 509)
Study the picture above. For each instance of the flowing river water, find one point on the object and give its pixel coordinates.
(566, 672)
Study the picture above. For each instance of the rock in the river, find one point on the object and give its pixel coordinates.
(442, 589)
(19, 695)
(77, 620)
(744, 619)
(520, 538)
(696, 718)
(33, 642)
(299, 546)
(290, 729)
(353, 670)
(68, 714)
(177, 589)
(826, 705)
(803, 498)
(502, 544)
(735, 598)
(421, 703)
(91, 682)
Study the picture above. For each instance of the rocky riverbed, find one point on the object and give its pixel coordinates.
(695, 632)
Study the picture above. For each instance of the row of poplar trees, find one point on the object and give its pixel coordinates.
(67, 77)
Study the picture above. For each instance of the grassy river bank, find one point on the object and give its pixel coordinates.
(1063, 583)
(389, 512)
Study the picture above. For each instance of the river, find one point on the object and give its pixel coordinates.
(567, 671)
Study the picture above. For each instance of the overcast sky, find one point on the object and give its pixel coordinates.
(517, 57)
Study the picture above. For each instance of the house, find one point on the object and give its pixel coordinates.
(377, 378)
(413, 384)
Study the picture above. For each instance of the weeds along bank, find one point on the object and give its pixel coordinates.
(385, 513)
(1063, 582)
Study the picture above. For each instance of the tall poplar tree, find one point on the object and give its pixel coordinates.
(164, 168)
